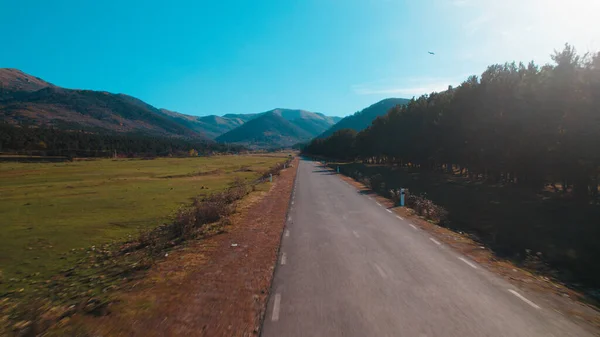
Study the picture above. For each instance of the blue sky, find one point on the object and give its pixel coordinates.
(333, 56)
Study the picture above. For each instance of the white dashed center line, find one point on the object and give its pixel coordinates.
(399, 217)
(287, 232)
(388, 211)
(355, 234)
(468, 262)
(523, 299)
(283, 258)
(413, 226)
(276, 305)
(289, 218)
(435, 241)
(378, 204)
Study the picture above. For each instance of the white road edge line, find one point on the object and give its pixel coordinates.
(369, 197)
(435, 241)
(523, 299)
(276, 305)
(468, 262)
(399, 217)
(283, 259)
(388, 210)
(292, 202)
(355, 234)
(413, 226)
(289, 218)
(378, 204)
(287, 232)
(379, 270)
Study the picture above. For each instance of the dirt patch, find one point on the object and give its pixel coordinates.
(554, 295)
(214, 287)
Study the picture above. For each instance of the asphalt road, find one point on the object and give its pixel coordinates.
(348, 267)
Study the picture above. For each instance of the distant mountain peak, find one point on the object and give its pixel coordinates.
(279, 128)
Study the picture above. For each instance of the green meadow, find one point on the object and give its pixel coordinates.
(50, 209)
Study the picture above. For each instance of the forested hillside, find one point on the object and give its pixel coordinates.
(362, 119)
(25, 99)
(520, 126)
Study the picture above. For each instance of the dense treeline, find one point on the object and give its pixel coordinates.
(515, 124)
(54, 142)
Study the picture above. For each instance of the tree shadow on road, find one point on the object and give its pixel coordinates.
(324, 172)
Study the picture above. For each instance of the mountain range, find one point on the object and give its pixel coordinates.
(25, 99)
(29, 100)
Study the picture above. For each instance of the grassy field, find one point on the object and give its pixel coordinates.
(49, 209)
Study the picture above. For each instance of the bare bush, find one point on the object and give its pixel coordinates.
(395, 196)
(184, 224)
(211, 211)
(427, 208)
(189, 222)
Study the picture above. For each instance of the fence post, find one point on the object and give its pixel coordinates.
(270, 177)
(338, 169)
(401, 197)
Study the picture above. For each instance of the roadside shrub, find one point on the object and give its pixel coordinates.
(535, 261)
(188, 221)
(237, 182)
(369, 183)
(411, 200)
(275, 170)
(377, 182)
(395, 196)
(218, 205)
(210, 210)
(184, 224)
(427, 208)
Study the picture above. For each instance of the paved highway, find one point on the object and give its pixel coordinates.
(348, 267)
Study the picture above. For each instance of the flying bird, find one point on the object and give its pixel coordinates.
(430, 52)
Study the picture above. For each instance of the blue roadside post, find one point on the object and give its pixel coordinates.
(401, 197)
